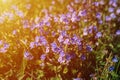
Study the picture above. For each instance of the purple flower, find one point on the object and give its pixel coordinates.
(115, 59)
(56, 19)
(25, 23)
(43, 56)
(37, 39)
(77, 1)
(41, 23)
(32, 45)
(54, 45)
(64, 33)
(74, 17)
(55, 48)
(112, 2)
(83, 57)
(66, 41)
(60, 60)
(20, 13)
(53, 34)
(89, 48)
(3, 50)
(90, 29)
(100, 21)
(70, 9)
(98, 15)
(95, 28)
(85, 31)
(14, 32)
(60, 38)
(62, 53)
(96, 3)
(6, 46)
(47, 24)
(62, 18)
(68, 15)
(118, 32)
(98, 35)
(67, 28)
(77, 79)
(79, 47)
(110, 9)
(68, 57)
(82, 13)
(1, 42)
(107, 18)
(47, 50)
(118, 11)
(41, 40)
(102, 2)
(74, 39)
(111, 68)
(112, 15)
(28, 6)
(28, 56)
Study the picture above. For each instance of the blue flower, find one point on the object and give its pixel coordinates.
(55, 48)
(54, 45)
(77, 79)
(90, 29)
(89, 48)
(98, 35)
(62, 53)
(118, 32)
(95, 28)
(75, 40)
(83, 57)
(111, 68)
(98, 15)
(63, 33)
(114, 59)
(68, 57)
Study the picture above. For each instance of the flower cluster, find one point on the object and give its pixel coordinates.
(58, 33)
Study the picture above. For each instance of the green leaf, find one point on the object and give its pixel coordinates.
(55, 78)
(40, 74)
(118, 45)
(65, 70)
(28, 78)
(21, 72)
(74, 71)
